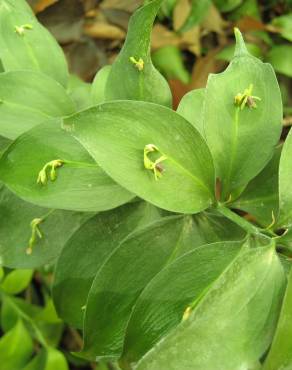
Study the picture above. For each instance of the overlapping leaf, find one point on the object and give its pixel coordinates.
(26, 44)
(28, 98)
(280, 354)
(128, 80)
(191, 108)
(233, 325)
(233, 132)
(15, 231)
(116, 134)
(261, 196)
(87, 250)
(80, 185)
(162, 304)
(285, 189)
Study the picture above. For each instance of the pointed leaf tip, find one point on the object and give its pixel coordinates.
(240, 47)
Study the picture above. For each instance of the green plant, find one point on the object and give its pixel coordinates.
(170, 231)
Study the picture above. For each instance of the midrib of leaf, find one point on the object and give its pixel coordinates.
(31, 53)
(189, 174)
(226, 189)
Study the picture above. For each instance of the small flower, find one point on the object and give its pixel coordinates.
(241, 100)
(156, 165)
(139, 64)
(20, 30)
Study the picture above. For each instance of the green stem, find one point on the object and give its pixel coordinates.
(240, 221)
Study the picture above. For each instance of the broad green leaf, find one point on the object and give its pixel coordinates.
(142, 81)
(199, 9)
(15, 231)
(120, 281)
(280, 354)
(280, 56)
(284, 24)
(99, 84)
(4, 142)
(48, 359)
(163, 302)
(169, 61)
(261, 196)
(191, 108)
(80, 92)
(116, 134)
(285, 178)
(233, 133)
(232, 325)
(87, 250)
(80, 185)
(16, 281)
(16, 348)
(28, 98)
(31, 47)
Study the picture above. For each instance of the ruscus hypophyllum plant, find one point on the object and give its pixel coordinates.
(157, 271)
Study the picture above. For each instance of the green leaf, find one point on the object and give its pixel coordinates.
(280, 56)
(16, 348)
(227, 5)
(233, 133)
(16, 281)
(191, 108)
(116, 135)
(233, 325)
(34, 97)
(285, 178)
(48, 359)
(169, 61)
(15, 231)
(199, 9)
(34, 48)
(261, 196)
(280, 354)
(87, 250)
(80, 92)
(227, 53)
(163, 302)
(80, 185)
(45, 328)
(99, 84)
(121, 280)
(126, 80)
(284, 24)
